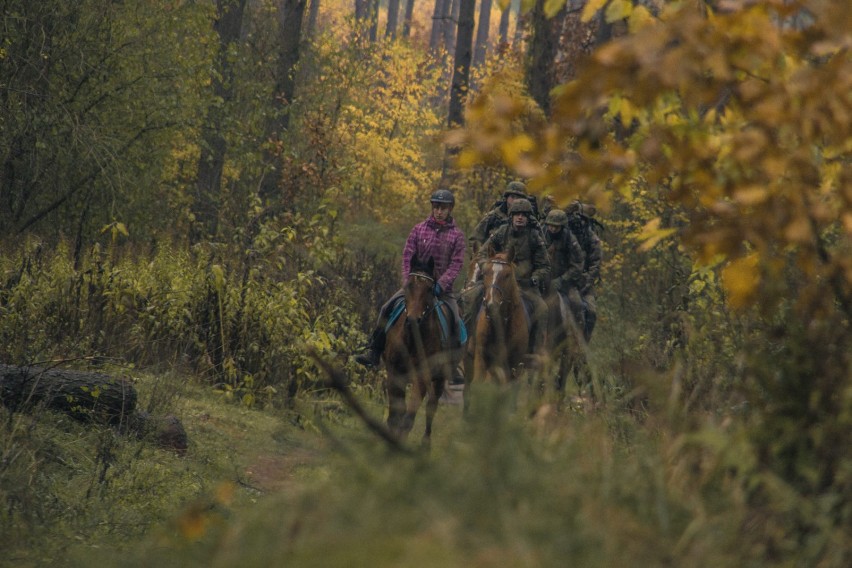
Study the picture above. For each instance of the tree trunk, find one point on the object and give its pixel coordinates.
(448, 25)
(542, 50)
(374, 19)
(461, 78)
(436, 34)
(393, 19)
(453, 27)
(313, 16)
(482, 31)
(361, 10)
(290, 16)
(205, 207)
(520, 24)
(406, 21)
(461, 67)
(504, 25)
(88, 397)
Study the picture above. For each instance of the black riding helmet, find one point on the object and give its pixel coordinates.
(443, 196)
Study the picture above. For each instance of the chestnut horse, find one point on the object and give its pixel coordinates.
(414, 354)
(501, 334)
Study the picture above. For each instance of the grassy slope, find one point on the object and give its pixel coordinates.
(67, 514)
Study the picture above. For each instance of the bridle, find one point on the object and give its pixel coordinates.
(502, 295)
(429, 306)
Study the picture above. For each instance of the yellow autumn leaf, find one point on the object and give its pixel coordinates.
(741, 278)
(639, 18)
(652, 234)
(618, 10)
(515, 146)
(591, 8)
(468, 158)
(751, 195)
(628, 112)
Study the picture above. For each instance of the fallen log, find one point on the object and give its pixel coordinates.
(89, 397)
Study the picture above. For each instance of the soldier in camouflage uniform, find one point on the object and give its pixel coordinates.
(580, 222)
(566, 263)
(532, 268)
(497, 217)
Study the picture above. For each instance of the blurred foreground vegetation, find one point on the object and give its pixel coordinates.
(702, 449)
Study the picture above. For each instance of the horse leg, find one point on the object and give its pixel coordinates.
(468, 376)
(432, 407)
(395, 390)
(414, 402)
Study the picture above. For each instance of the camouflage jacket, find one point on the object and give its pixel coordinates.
(492, 221)
(530, 252)
(592, 248)
(566, 259)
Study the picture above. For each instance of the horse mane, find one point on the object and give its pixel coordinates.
(427, 267)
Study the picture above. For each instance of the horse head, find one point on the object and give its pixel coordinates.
(419, 289)
(498, 278)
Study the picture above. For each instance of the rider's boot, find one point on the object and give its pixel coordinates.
(373, 354)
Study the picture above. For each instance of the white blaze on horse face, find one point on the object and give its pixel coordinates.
(496, 269)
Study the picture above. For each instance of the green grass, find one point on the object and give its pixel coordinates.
(522, 483)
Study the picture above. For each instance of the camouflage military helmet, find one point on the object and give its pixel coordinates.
(556, 217)
(578, 208)
(443, 196)
(521, 206)
(515, 188)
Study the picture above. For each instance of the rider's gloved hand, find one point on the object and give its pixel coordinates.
(437, 290)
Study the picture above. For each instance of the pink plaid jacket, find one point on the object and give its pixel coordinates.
(444, 243)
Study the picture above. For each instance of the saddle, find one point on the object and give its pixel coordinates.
(445, 318)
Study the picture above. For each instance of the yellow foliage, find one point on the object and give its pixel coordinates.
(741, 278)
(591, 8)
(618, 10)
(652, 234)
(639, 18)
(742, 117)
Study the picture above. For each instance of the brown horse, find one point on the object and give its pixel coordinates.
(414, 354)
(501, 332)
(562, 336)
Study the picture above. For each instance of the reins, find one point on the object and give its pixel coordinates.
(429, 308)
(503, 296)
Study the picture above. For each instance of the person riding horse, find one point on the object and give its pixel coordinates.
(566, 261)
(580, 221)
(498, 216)
(532, 268)
(437, 237)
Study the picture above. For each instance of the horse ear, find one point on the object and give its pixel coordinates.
(489, 252)
(430, 265)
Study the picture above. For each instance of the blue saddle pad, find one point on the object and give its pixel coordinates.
(399, 307)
